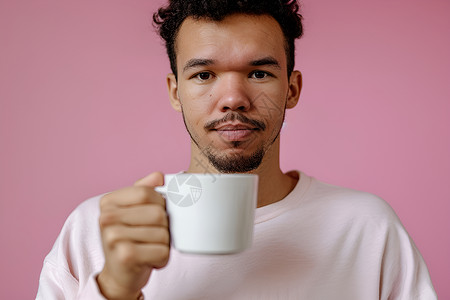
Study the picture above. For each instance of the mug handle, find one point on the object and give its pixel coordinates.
(161, 189)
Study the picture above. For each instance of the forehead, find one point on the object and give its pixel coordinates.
(236, 38)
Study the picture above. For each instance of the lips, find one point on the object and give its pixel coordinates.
(235, 132)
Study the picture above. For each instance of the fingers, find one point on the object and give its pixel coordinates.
(151, 235)
(135, 236)
(151, 180)
(141, 193)
(129, 254)
(128, 268)
(140, 215)
(129, 196)
(127, 231)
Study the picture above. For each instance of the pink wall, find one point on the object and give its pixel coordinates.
(83, 110)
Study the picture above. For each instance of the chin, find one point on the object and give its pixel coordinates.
(236, 162)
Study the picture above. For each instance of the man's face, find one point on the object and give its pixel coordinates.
(232, 87)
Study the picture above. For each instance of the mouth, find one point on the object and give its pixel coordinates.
(235, 132)
(235, 128)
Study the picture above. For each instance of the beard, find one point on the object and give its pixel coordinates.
(233, 163)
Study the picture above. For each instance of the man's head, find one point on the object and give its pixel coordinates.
(285, 12)
(232, 77)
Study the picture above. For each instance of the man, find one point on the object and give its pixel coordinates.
(233, 79)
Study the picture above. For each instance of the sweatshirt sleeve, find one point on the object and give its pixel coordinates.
(71, 267)
(56, 284)
(404, 274)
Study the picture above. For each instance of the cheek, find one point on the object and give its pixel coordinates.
(193, 90)
(195, 98)
(270, 106)
(194, 113)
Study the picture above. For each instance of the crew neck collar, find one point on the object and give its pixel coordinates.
(273, 210)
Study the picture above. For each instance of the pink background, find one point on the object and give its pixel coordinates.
(84, 110)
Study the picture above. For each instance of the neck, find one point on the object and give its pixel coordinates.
(273, 186)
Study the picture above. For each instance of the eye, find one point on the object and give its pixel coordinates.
(259, 74)
(203, 76)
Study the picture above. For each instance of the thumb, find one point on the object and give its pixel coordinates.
(151, 180)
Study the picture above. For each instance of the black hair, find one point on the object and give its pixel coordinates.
(168, 20)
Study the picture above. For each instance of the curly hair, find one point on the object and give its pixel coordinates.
(168, 20)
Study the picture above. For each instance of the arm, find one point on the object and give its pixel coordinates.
(404, 274)
(87, 260)
(135, 238)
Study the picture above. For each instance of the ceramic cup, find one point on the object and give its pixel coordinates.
(210, 213)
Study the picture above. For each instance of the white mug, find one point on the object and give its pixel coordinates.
(210, 213)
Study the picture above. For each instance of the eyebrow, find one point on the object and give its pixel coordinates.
(266, 61)
(196, 62)
(201, 62)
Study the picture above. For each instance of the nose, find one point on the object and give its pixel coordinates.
(233, 94)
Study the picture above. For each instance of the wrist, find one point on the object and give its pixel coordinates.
(112, 291)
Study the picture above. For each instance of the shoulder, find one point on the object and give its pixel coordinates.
(360, 221)
(78, 248)
(76, 254)
(350, 204)
(83, 217)
(82, 221)
(81, 230)
(87, 212)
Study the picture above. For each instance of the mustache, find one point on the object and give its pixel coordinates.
(232, 116)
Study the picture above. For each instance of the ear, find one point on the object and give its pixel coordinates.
(172, 86)
(295, 87)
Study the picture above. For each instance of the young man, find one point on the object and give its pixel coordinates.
(231, 61)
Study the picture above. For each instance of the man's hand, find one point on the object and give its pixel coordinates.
(135, 237)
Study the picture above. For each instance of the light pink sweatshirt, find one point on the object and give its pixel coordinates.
(320, 242)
